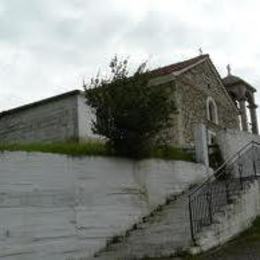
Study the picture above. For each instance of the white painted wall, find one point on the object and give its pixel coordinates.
(85, 117)
(231, 141)
(56, 207)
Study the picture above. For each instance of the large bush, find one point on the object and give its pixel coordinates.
(130, 112)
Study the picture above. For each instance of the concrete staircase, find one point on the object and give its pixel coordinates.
(219, 209)
(166, 231)
(163, 233)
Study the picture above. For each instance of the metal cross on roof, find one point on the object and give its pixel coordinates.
(229, 69)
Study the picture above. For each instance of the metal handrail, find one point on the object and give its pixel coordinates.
(217, 190)
(230, 159)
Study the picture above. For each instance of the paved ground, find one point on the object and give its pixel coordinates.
(236, 250)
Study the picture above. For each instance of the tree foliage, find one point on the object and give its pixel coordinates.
(130, 112)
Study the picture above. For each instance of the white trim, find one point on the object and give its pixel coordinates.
(179, 72)
(211, 100)
(215, 71)
(161, 80)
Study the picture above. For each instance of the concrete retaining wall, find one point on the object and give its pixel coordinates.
(57, 207)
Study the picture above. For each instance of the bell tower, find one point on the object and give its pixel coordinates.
(242, 94)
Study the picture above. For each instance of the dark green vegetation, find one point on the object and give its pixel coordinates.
(171, 153)
(130, 112)
(93, 148)
(246, 246)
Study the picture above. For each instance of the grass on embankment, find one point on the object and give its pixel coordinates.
(93, 148)
(69, 148)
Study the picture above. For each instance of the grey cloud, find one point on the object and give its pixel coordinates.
(47, 45)
(158, 34)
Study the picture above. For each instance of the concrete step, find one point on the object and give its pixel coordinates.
(163, 234)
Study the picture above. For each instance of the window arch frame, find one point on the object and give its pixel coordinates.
(214, 112)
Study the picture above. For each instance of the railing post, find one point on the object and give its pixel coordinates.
(209, 199)
(227, 191)
(240, 167)
(254, 161)
(191, 221)
(254, 166)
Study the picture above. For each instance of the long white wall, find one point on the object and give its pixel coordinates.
(57, 207)
(85, 118)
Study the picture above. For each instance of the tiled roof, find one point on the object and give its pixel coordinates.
(37, 103)
(177, 66)
(231, 80)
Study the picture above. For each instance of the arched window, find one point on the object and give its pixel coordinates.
(212, 111)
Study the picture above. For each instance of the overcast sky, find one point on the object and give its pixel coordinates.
(48, 46)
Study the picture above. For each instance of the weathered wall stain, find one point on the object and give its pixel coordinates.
(56, 207)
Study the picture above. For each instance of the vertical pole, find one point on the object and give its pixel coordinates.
(240, 176)
(209, 199)
(254, 168)
(253, 116)
(242, 104)
(201, 145)
(227, 191)
(191, 221)
(254, 160)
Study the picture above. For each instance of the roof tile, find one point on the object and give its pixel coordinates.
(177, 66)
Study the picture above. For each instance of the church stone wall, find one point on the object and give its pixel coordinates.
(194, 87)
(50, 121)
(171, 135)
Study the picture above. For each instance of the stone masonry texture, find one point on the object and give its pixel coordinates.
(69, 118)
(51, 121)
(193, 88)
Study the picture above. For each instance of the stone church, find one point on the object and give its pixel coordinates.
(201, 95)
